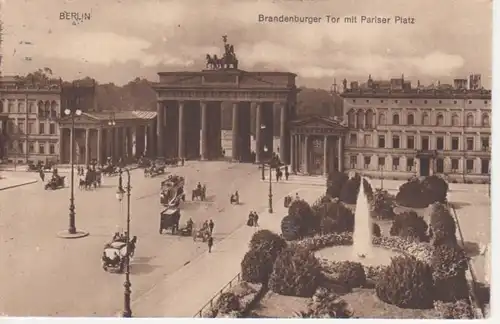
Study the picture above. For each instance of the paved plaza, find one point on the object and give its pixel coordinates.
(43, 275)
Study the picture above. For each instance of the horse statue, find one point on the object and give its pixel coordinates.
(211, 62)
(229, 59)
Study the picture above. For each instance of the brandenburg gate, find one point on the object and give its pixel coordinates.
(189, 110)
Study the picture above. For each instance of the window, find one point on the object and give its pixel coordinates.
(485, 166)
(485, 120)
(21, 127)
(454, 143)
(52, 149)
(369, 119)
(485, 143)
(41, 148)
(20, 107)
(353, 161)
(395, 141)
(52, 129)
(367, 162)
(53, 110)
(31, 147)
(31, 128)
(439, 165)
(20, 147)
(381, 161)
(381, 119)
(11, 106)
(439, 120)
(425, 119)
(41, 128)
(32, 108)
(440, 143)
(470, 144)
(350, 118)
(381, 141)
(353, 140)
(367, 140)
(425, 142)
(360, 119)
(455, 120)
(40, 109)
(395, 119)
(410, 162)
(1, 106)
(410, 142)
(469, 166)
(470, 120)
(411, 119)
(395, 163)
(454, 165)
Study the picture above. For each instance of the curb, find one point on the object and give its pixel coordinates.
(19, 185)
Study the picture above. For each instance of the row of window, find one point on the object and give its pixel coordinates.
(365, 119)
(19, 147)
(20, 128)
(424, 142)
(425, 101)
(410, 164)
(45, 109)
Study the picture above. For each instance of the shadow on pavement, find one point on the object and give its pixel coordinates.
(459, 204)
(140, 265)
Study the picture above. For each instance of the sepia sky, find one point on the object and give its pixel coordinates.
(138, 38)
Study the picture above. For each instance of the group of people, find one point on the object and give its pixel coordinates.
(253, 219)
(55, 175)
(209, 226)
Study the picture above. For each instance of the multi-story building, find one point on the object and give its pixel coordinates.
(397, 131)
(32, 113)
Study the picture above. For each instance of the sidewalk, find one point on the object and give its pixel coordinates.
(184, 292)
(13, 182)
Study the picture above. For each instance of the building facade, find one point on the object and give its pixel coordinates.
(397, 131)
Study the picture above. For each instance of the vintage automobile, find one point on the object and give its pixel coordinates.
(169, 219)
(114, 255)
(172, 191)
(200, 193)
(55, 183)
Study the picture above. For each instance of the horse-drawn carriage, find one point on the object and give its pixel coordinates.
(92, 178)
(172, 191)
(110, 170)
(144, 162)
(39, 166)
(154, 170)
(55, 182)
(203, 233)
(115, 253)
(235, 198)
(199, 192)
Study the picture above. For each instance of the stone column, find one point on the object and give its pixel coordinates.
(325, 156)
(150, 140)
(341, 154)
(116, 144)
(293, 150)
(134, 141)
(130, 143)
(306, 154)
(258, 132)
(61, 144)
(204, 131)
(87, 146)
(283, 134)
(99, 145)
(235, 133)
(160, 130)
(182, 132)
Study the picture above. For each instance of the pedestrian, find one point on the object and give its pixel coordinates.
(287, 174)
(42, 175)
(255, 219)
(210, 244)
(211, 226)
(183, 161)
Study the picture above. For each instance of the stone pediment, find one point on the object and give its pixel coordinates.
(83, 119)
(319, 122)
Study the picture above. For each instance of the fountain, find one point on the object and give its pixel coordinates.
(362, 249)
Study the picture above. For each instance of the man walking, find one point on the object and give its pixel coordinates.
(211, 226)
(42, 175)
(210, 244)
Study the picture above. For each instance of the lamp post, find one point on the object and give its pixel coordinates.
(262, 128)
(127, 311)
(72, 232)
(112, 124)
(270, 209)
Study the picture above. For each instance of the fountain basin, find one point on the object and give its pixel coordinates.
(378, 256)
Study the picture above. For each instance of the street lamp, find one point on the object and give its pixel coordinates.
(127, 311)
(270, 210)
(112, 123)
(262, 128)
(72, 232)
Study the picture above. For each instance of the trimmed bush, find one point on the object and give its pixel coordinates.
(304, 214)
(412, 194)
(436, 187)
(406, 283)
(228, 302)
(335, 217)
(443, 225)
(383, 204)
(268, 241)
(449, 264)
(256, 266)
(349, 192)
(334, 183)
(367, 189)
(346, 273)
(411, 226)
(296, 272)
(290, 228)
(460, 309)
(376, 230)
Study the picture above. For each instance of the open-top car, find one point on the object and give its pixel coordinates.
(172, 191)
